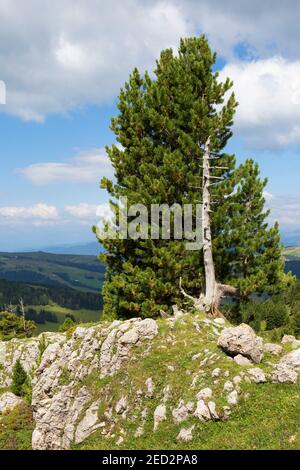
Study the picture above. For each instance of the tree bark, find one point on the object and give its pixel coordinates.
(210, 279)
(210, 300)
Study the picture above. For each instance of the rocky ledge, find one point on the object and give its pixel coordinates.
(75, 377)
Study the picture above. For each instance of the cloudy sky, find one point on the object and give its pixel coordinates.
(63, 62)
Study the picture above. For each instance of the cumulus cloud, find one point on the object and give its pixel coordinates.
(93, 212)
(268, 92)
(42, 214)
(70, 54)
(38, 214)
(86, 167)
(285, 209)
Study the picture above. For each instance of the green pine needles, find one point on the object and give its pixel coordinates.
(163, 123)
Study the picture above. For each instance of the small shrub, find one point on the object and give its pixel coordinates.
(265, 315)
(19, 379)
(66, 325)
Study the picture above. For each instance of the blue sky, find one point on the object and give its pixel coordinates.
(63, 68)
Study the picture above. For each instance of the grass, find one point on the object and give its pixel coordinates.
(269, 419)
(266, 419)
(16, 428)
(81, 316)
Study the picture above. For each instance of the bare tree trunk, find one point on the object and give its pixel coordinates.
(210, 279)
(210, 300)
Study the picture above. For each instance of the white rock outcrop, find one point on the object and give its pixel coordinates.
(8, 401)
(241, 340)
(288, 368)
(56, 401)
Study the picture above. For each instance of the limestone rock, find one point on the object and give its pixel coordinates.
(292, 360)
(216, 372)
(212, 410)
(272, 348)
(202, 411)
(121, 405)
(241, 340)
(56, 402)
(288, 368)
(180, 413)
(237, 379)
(232, 398)
(257, 375)
(220, 321)
(241, 360)
(150, 387)
(8, 401)
(228, 386)
(185, 434)
(284, 374)
(159, 415)
(204, 394)
(288, 339)
(88, 424)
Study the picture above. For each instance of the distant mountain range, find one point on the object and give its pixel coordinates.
(92, 249)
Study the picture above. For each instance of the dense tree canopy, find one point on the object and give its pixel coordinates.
(162, 126)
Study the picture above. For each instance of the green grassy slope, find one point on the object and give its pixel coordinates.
(76, 271)
(267, 419)
(267, 415)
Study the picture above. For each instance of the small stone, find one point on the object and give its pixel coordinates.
(139, 432)
(232, 398)
(228, 386)
(166, 393)
(271, 348)
(220, 321)
(202, 411)
(237, 379)
(216, 372)
(257, 375)
(150, 387)
(242, 361)
(226, 373)
(121, 406)
(196, 356)
(288, 339)
(212, 409)
(159, 415)
(8, 401)
(180, 413)
(120, 441)
(185, 434)
(284, 374)
(171, 368)
(204, 394)
(226, 412)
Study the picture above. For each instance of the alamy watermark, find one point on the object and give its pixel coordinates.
(156, 221)
(2, 92)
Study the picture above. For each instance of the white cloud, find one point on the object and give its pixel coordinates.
(43, 214)
(68, 54)
(268, 92)
(38, 214)
(285, 210)
(89, 211)
(86, 167)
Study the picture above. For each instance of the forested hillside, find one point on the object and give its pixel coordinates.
(84, 273)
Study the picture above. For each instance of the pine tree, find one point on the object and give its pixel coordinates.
(19, 378)
(163, 126)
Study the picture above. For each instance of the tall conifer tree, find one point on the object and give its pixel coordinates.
(162, 126)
